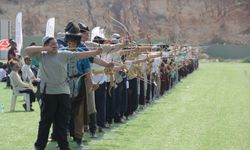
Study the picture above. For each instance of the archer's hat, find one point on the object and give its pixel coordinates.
(72, 33)
(83, 27)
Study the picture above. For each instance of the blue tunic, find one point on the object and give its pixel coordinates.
(74, 70)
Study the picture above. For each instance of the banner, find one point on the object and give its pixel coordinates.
(102, 33)
(50, 28)
(95, 32)
(19, 32)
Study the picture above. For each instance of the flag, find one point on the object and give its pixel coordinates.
(19, 32)
(50, 28)
(95, 32)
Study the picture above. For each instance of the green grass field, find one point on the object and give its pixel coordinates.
(209, 110)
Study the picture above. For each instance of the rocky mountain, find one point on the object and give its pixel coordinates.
(184, 21)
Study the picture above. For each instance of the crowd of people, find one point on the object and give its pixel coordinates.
(18, 73)
(86, 85)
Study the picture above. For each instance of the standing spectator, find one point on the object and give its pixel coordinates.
(13, 49)
(11, 55)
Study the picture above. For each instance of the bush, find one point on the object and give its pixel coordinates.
(246, 60)
(220, 59)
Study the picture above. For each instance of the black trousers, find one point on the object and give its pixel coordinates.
(153, 90)
(110, 105)
(100, 102)
(172, 79)
(118, 102)
(92, 123)
(8, 82)
(124, 96)
(149, 88)
(71, 129)
(133, 100)
(142, 100)
(54, 108)
(31, 94)
(134, 88)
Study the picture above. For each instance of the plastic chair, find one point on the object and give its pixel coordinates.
(15, 94)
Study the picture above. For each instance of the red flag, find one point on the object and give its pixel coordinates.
(4, 44)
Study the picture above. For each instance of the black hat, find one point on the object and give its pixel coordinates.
(72, 33)
(83, 27)
(98, 40)
(71, 28)
(12, 42)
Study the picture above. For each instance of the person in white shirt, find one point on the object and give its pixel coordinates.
(27, 73)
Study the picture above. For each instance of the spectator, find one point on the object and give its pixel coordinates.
(19, 85)
(11, 55)
(19, 59)
(13, 49)
(3, 73)
(27, 74)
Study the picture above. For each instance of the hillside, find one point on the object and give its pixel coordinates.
(185, 21)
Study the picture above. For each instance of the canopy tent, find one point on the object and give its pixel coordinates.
(4, 46)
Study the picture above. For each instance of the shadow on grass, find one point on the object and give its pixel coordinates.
(7, 88)
(88, 142)
(16, 111)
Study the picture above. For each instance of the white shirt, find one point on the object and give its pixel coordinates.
(117, 59)
(98, 78)
(107, 58)
(27, 73)
(155, 66)
(107, 48)
(2, 74)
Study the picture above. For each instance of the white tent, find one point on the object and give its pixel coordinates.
(4, 47)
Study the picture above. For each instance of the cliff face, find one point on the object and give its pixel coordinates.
(185, 21)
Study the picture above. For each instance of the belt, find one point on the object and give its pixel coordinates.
(96, 72)
(108, 72)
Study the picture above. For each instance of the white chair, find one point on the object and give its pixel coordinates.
(15, 94)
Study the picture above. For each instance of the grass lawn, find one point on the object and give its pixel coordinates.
(4, 61)
(207, 111)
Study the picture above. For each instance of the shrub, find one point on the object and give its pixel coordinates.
(246, 60)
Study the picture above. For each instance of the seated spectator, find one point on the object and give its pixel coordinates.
(27, 74)
(19, 85)
(3, 73)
